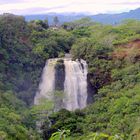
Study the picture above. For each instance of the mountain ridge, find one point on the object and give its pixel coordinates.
(102, 18)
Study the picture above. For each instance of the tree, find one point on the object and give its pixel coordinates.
(60, 135)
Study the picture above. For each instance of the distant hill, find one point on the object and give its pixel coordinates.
(102, 18)
(62, 17)
(116, 18)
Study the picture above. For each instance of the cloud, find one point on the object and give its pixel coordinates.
(12, 1)
(45, 6)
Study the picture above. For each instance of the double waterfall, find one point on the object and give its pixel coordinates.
(70, 78)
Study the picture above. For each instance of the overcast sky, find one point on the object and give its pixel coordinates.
(25, 7)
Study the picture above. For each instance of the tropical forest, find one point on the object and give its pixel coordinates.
(77, 80)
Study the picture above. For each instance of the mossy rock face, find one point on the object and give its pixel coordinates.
(59, 64)
(91, 91)
(59, 75)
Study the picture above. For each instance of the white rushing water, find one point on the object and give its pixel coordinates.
(47, 84)
(75, 84)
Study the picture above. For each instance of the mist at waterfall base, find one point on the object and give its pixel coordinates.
(70, 78)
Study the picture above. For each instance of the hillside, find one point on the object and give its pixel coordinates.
(117, 18)
(113, 57)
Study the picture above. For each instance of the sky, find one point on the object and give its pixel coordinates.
(28, 7)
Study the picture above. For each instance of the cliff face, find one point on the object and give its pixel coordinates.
(130, 51)
(59, 75)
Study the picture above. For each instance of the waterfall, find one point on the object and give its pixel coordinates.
(75, 86)
(47, 84)
(75, 83)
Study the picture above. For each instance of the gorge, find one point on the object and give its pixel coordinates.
(99, 93)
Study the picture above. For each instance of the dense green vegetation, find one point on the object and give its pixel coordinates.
(113, 57)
